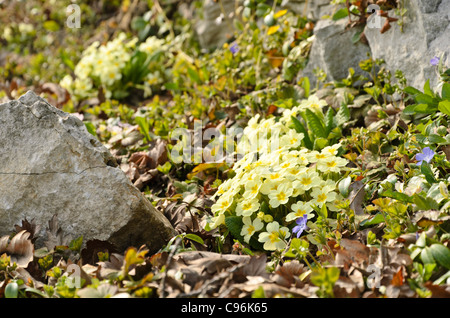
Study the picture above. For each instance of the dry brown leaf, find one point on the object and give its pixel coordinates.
(141, 160)
(30, 227)
(288, 274)
(353, 252)
(158, 152)
(346, 288)
(55, 235)
(438, 291)
(4, 240)
(21, 249)
(398, 278)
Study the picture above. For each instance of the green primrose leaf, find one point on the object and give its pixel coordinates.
(315, 124)
(298, 126)
(441, 254)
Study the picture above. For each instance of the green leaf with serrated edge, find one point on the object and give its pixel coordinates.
(298, 126)
(342, 115)
(329, 120)
(441, 254)
(315, 124)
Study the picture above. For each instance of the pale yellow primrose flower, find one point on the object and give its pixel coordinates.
(274, 238)
(331, 164)
(299, 209)
(292, 139)
(250, 227)
(323, 195)
(307, 180)
(252, 189)
(314, 103)
(247, 207)
(217, 221)
(222, 204)
(280, 195)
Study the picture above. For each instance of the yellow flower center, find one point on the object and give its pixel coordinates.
(320, 156)
(281, 196)
(286, 165)
(331, 164)
(224, 204)
(273, 237)
(321, 197)
(247, 206)
(306, 181)
(274, 176)
(250, 229)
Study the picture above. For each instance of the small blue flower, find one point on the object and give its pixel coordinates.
(426, 155)
(301, 225)
(434, 61)
(234, 48)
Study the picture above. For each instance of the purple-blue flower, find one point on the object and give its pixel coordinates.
(426, 155)
(301, 221)
(434, 61)
(234, 48)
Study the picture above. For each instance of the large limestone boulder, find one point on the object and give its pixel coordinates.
(50, 165)
(426, 34)
(333, 50)
(312, 9)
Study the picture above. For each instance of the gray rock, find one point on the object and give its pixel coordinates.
(51, 165)
(314, 9)
(213, 29)
(426, 34)
(333, 50)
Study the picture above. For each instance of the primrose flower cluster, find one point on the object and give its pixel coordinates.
(103, 66)
(279, 182)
